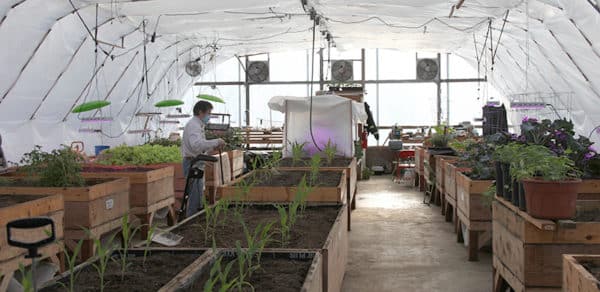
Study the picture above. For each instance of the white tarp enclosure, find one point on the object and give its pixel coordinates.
(333, 120)
(56, 54)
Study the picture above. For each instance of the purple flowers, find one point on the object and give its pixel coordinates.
(589, 156)
(591, 148)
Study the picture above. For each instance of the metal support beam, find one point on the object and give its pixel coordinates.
(321, 73)
(447, 89)
(247, 86)
(439, 90)
(391, 81)
(362, 69)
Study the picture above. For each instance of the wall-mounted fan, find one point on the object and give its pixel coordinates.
(342, 71)
(257, 71)
(193, 68)
(427, 69)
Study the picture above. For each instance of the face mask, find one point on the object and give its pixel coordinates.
(206, 119)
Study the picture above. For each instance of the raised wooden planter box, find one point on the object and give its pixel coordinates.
(151, 189)
(236, 162)
(450, 189)
(98, 208)
(528, 251)
(440, 169)
(313, 280)
(335, 194)
(576, 278)
(351, 183)
(182, 281)
(212, 175)
(51, 206)
(334, 251)
(473, 213)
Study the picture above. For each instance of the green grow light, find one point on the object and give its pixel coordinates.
(168, 103)
(89, 106)
(210, 98)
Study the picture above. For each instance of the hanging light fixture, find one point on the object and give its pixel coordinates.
(168, 103)
(210, 98)
(90, 106)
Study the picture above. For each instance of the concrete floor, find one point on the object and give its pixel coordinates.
(399, 244)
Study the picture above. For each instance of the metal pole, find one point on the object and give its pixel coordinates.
(247, 84)
(448, 89)
(377, 88)
(362, 68)
(321, 81)
(240, 95)
(439, 92)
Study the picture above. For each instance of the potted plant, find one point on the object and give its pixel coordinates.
(550, 182)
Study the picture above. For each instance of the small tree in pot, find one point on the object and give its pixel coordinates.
(550, 182)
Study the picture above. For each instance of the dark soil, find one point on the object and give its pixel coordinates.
(285, 178)
(9, 200)
(159, 269)
(310, 231)
(275, 274)
(593, 268)
(305, 162)
(117, 169)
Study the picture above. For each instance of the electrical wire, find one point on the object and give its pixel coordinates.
(87, 28)
(312, 77)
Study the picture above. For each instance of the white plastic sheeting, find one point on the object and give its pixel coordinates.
(49, 64)
(334, 120)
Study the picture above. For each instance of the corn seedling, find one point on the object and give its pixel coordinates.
(27, 281)
(71, 263)
(297, 152)
(127, 234)
(302, 192)
(275, 159)
(330, 150)
(284, 223)
(221, 207)
(218, 275)
(315, 164)
(208, 215)
(256, 241)
(104, 254)
(148, 241)
(245, 269)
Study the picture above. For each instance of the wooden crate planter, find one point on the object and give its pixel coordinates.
(335, 194)
(576, 278)
(151, 189)
(51, 206)
(334, 251)
(450, 189)
(212, 175)
(473, 213)
(236, 162)
(528, 251)
(98, 207)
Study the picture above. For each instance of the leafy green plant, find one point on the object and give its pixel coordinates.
(140, 155)
(302, 191)
(330, 150)
(538, 161)
(284, 224)
(367, 173)
(208, 219)
(289, 215)
(442, 137)
(165, 142)
(220, 276)
(58, 168)
(315, 164)
(297, 152)
(245, 267)
(488, 195)
(256, 242)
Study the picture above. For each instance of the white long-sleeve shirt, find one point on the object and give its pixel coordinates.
(194, 140)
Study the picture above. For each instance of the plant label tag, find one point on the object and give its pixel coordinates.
(109, 204)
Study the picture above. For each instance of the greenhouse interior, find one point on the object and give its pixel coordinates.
(300, 145)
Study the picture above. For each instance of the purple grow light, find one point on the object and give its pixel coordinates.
(527, 105)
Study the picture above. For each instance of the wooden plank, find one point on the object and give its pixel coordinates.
(38, 207)
(539, 223)
(509, 250)
(50, 251)
(335, 253)
(187, 276)
(236, 161)
(77, 234)
(212, 171)
(474, 224)
(577, 278)
(514, 283)
(146, 194)
(440, 168)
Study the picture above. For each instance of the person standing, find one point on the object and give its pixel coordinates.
(193, 143)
